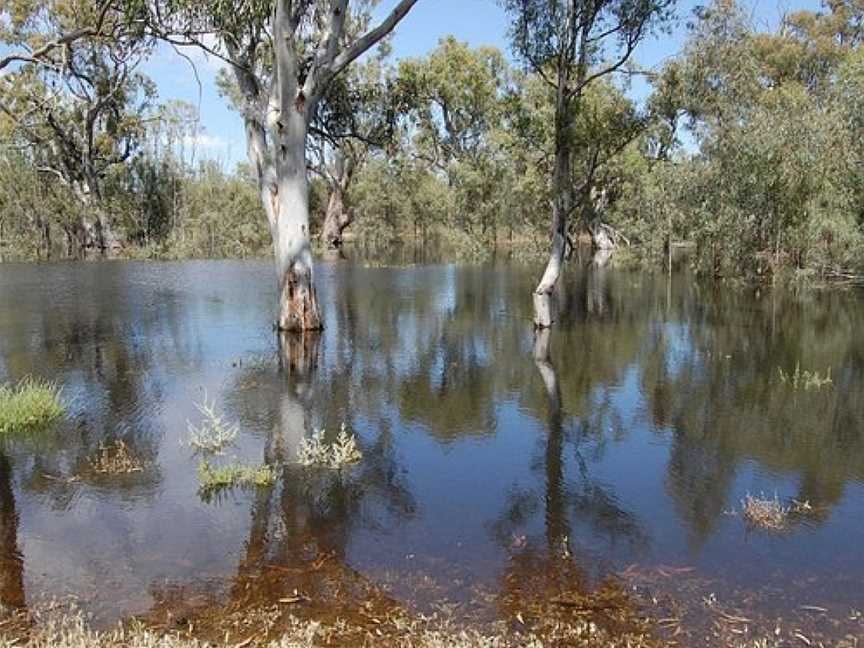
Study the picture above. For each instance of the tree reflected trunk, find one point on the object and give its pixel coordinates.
(11, 561)
(557, 524)
(298, 359)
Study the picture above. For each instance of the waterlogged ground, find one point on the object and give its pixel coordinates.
(493, 487)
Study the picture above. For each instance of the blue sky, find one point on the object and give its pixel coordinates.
(477, 22)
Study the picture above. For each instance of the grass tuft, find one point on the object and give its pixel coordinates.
(116, 459)
(765, 513)
(30, 405)
(771, 513)
(315, 451)
(215, 478)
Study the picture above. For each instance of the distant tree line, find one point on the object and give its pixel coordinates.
(749, 147)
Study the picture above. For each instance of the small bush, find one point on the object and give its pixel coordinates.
(317, 452)
(805, 379)
(30, 405)
(213, 434)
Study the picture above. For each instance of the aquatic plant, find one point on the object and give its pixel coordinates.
(30, 405)
(116, 459)
(766, 513)
(771, 513)
(213, 434)
(805, 379)
(213, 478)
(315, 451)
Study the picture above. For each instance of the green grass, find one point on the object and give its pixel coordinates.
(30, 405)
(215, 478)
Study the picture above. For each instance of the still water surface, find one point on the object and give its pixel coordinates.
(661, 409)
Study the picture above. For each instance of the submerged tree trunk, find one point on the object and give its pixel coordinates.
(289, 223)
(276, 147)
(544, 307)
(298, 360)
(277, 113)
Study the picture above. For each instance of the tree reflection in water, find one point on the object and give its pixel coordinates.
(298, 548)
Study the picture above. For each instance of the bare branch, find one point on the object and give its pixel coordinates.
(370, 38)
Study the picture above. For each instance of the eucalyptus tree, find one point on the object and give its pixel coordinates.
(777, 181)
(284, 55)
(356, 119)
(457, 99)
(570, 44)
(77, 110)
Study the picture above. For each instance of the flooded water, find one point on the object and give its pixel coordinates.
(626, 455)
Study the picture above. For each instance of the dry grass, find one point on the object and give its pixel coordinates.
(30, 405)
(765, 513)
(772, 514)
(70, 630)
(116, 459)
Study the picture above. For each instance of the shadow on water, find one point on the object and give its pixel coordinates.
(501, 470)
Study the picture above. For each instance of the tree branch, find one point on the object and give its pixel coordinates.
(370, 38)
(37, 55)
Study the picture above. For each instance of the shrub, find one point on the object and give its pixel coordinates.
(317, 452)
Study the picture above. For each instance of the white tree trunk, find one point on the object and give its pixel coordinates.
(544, 304)
(298, 301)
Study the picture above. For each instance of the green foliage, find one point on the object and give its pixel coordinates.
(30, 405)
(748, 149)
(776, 182)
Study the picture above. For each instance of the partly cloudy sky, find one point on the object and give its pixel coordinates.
(477, 22)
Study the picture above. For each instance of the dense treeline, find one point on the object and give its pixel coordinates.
(748, 147)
